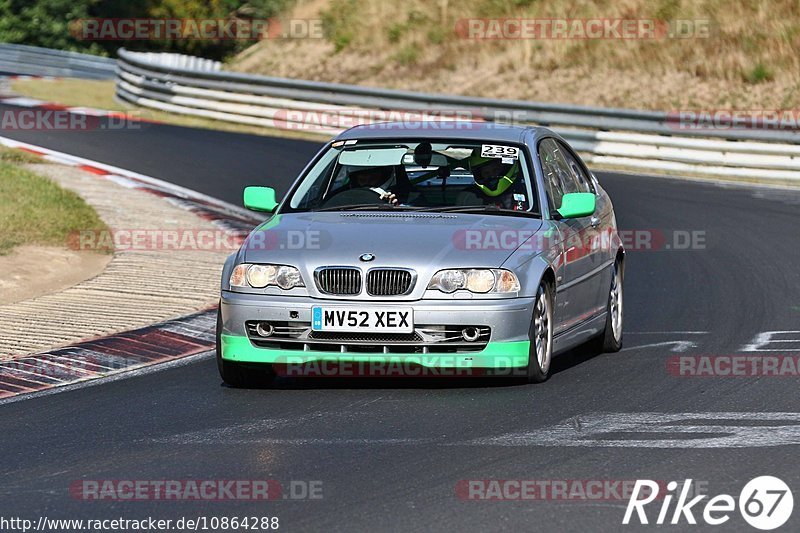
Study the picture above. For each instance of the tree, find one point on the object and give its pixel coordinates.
(47, 22)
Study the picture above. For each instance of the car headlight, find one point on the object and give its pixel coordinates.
(479, 280)
(260, 276)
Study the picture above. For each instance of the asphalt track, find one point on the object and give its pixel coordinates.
(390, 453)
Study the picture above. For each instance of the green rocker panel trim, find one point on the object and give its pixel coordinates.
(495, 355)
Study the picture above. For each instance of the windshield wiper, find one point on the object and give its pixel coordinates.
(369, 207)
(488, 209)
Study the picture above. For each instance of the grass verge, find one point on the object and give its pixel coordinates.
(34, 210)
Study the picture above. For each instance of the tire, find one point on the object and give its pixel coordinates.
(238, 375)
(540, 353)
(611, 339)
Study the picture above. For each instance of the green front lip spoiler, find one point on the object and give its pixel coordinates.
(238, 348)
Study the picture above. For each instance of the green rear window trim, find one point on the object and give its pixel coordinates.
(238, 348)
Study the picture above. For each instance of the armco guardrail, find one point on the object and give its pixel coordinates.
(623, 137)
(34, 61)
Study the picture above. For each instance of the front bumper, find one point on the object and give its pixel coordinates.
(507, 344)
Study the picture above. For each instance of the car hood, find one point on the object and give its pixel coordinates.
(415, 240)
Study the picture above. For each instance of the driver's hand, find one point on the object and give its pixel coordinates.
(389, 197)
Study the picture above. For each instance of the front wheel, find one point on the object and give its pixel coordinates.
(541, 336)
(611, 338)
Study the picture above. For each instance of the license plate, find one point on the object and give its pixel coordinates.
(394, 320)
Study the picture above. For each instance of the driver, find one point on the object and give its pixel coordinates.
(374, 178)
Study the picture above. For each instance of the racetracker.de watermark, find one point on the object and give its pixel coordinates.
(327, 118)
(732, 366)
(199, 29)
(559, 490)
(582, 29)
(734, 119)
(436, 366)
(192, 239)
(579, 244)
(194, 490)
(55, 120)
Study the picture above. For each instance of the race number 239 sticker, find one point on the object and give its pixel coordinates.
(496, 150)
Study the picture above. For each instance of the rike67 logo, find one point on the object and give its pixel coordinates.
(765, 503)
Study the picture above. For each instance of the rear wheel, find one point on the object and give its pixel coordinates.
(611, 338)
(236, 374)
(541, 336)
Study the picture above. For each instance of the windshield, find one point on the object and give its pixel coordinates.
(417, 175)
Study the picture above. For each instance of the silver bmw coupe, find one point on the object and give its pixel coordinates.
(478, 247)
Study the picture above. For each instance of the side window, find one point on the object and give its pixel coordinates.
(547, 151)
(583, 181)
(568, 181)
(557, 173)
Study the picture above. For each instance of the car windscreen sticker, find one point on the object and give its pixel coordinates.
(498, 151)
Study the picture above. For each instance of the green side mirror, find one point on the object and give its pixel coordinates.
(577, 204)
(260, 199)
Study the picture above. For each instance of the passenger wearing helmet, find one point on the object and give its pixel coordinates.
(494, 184)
